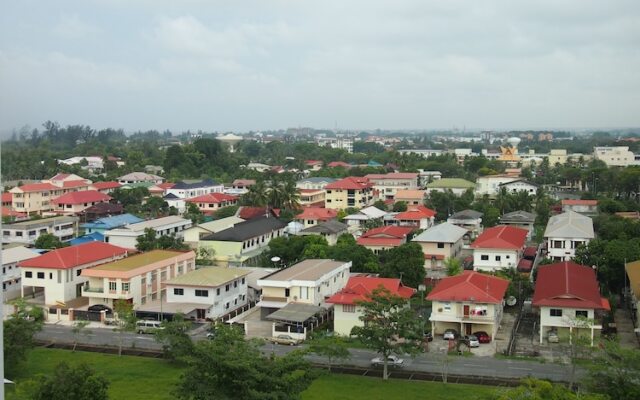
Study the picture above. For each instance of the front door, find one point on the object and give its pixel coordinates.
(79, 289)
(465, 310)
(467, 329)
(200, 313)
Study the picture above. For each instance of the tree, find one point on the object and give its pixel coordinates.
(346, 249)
(125, 320)
(205, 256)
(176, 342)
(405, 262)
(79, 328)
(149, 241)
(331, 347)
(380, 205)
(49, 241)
(615, 372)
(229, 367)
(389, 326)
(453, 266)
(535, 389)
(19, 330)
(72, 383)
(194, 213)
(400, 206)
(225, 212)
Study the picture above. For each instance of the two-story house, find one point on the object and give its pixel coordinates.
(212, 202)
(469, 302)
(347, 311)
(498, 248)
(26, 232)
(360, 218)
(585, 207)
(314, 215)
(440, 242)
(519, 185)
(410, 197)
(330, 230)
(389, 184)
(417, 216)
(311, 281)
(385, 237)
(102, 225)
(140, 177)
(138, 279)
(565, 232)
(127, 236)
(471, 220)
(520, 219)
(491, 184)
(11, 279)
(193, 235)
(74, 203)
(568, 298)
(243, 243)
(352, 191)
(178, 193)
(315, 183)
(213, 291)
(57, 274)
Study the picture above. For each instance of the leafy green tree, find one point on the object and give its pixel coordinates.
(534, 389)
(615, 372)
(225, 212)
(149, 241)
(229, 367)
(380, 205)
(331, 347)
(362, 259)
(390, 326)
(49, 241)
(79, 329)
(405, 262)
(194, 214)
(125, 320)
(453, 266)
(400, 206)
(72, 383)
(491, 217)
(174, 337)
(205, 256)
(19, 330)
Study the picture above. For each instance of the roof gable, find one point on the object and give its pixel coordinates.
(73, 256)
(567, 284)
(501, 237)
(570, 225)
(360, 288)
(84, 196)
(470, 286)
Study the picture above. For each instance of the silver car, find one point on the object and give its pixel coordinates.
(393, 361)
(472, 340)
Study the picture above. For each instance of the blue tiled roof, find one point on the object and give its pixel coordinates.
(112, 222)
(93, 237)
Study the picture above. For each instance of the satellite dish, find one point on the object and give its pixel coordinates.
(275, 259)
(511, 301)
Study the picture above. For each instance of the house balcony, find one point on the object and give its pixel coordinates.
(97, 292)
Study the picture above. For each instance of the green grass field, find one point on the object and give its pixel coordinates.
(153, 379)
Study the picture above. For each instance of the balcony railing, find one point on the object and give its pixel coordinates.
(93, 289)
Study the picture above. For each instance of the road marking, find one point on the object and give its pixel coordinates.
(522, 369)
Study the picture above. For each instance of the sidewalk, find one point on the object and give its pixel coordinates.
(91, 325)
(626, 336)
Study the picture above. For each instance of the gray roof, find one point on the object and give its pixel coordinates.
(194, 184)
(153, 223)
(518, 217)
(247, 230)
(307, 270)
(467, 214)
(35, 223)
(569, 225)
(16, 254)
(519, 180)
(218, 224)
(295, 312)
(442, 233)
(329, 227)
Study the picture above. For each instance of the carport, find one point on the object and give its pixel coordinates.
(296, 319)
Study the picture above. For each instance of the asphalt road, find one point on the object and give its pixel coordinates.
(429, 362)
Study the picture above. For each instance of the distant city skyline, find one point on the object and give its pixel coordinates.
(365, 64)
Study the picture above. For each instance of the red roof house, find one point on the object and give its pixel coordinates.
(35, 187)
(360, 288)
(314, 215)
(7, 198)
(350, 183)
(211, 202)
(334, 164)
(76, 202)
(570, 202)
(105, 187)
(501, 237)
(470, 286)
(385, 237)
(418, 216)
(70, 257)
(247, 213)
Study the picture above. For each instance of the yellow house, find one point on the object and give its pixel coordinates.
(352, 191)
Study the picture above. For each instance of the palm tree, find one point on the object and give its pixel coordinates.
(257, 195)
(290, 195)
(522, 201)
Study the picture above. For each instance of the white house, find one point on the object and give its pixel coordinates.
(176, 195)
(519, 185)
(26, 232)
(565, 232)
(218, 290)
(314, 183)
(140, 177)
(347, 312)
(586, 207)
(567, 296)
(490, 184)
(439, 243)
(358, 219)
(498, 248)
(57, 274)
(471, 220)
(10, 271)
(469, 302)
(614, 156)
(389, 184)
(127, 237)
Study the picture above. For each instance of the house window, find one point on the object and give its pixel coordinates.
(40, 275)
(78, 272)
(447, 306)
(235, 284)
(112, 285)
(125, 286)
(202, 293)
(582, 314)
(227, 287)
(484, 257)
(28, 274)
(178, 292)
(226, 306)
(498, 258)
(558, 244)
(218, 291)
(243, 281)
(350, 308)
(555, 312)
(441, 245)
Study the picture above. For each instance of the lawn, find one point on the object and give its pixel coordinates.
(351, 387)
(131, 377)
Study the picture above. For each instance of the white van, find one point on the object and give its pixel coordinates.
(147, 326)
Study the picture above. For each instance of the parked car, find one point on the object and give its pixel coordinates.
(99, 308)
(483, 337)
(285, 339)
(393, 361)
(450, 334)
(148, 326)
(472, 341)
(552, 336)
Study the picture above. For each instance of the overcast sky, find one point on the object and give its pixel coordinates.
(250, 65)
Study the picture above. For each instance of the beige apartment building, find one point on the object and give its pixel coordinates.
(352, 191)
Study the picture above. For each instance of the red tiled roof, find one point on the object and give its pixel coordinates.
(38, 187)
(359, 288)
(60, 177)
(313, 162)
(470, 286)
(334, 164)
(7, 197)
(393, 175)
(415, 213)
(74, 184)
(105, 185)
(432, 256)
(83, 196)
(317, 213)
(350, 182)
(567, 284)
(256, 212)
(70, 257)
(501, 237)
(212, 198)
(579, 202)
(389, 231)
(165, 185)
(7, 212)
(387, 242)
